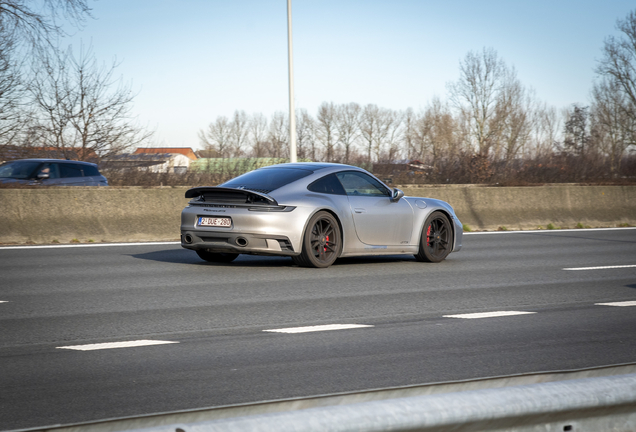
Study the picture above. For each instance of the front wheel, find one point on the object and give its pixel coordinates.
(437, 239)
(217, 257)
(322, 242)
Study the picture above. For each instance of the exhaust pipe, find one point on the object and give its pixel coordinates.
(187, 239)
(241, 241)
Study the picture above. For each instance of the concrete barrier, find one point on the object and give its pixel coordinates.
(152, 214)
(564, 206)
(83, 214)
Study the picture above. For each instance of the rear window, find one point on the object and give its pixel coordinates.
(265, 180)
(90, 170)
(71, 170)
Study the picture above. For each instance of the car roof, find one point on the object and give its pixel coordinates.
(50, 160)
(311, 166)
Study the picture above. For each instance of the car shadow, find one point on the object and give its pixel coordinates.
(176, 256)
(374, 260)
(184, 256)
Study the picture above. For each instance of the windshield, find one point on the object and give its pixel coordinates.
(18, 169)
(265, 180)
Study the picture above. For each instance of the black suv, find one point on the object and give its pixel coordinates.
(51, 172)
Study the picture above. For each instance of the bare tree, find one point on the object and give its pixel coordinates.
(305, 135)
(613, 125)
(326, 129)
(385, 137)
(410, 120)
(614, 107)
(389, 148)
(277, 136)
(22, 22)
(348, 126)
(13, 114)
(619, 58)
(480, 95)
(79, 105)
(435, 135)
(515, 114)
(545, 134)
(370, 129)
(239, 133)
(258, 134)
(218, 137)
(27, 28)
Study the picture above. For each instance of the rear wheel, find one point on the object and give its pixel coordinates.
(437, 239)
(218, 257)
(322, 242)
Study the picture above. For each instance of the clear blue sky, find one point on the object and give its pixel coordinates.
(193, 60)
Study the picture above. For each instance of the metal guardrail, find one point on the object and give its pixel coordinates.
(593, 399)
(592, 404)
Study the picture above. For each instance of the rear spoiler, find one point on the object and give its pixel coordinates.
(229, 195)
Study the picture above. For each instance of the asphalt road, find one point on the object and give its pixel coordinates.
(216, 317)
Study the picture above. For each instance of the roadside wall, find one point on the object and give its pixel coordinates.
(564, 206)
(101, 214)
(137, 214)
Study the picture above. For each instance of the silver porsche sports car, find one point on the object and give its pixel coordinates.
(315, 213)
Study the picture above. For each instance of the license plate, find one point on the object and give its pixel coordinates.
(215, 221)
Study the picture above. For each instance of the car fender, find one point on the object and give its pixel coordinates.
(423, 208)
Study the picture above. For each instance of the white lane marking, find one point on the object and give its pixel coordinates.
(601, 267)
(63, 246)
(4, 301)
(546, 231)
(110, 345)
(620, 304)
(488, 314)
(318, 328)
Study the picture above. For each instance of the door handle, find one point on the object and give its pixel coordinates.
(359, 210)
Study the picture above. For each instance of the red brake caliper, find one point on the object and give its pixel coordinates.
(428, 235)
(327, 239)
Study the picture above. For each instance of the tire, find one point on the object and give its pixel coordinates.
(217, 257)
(436, 241)
(322, 242)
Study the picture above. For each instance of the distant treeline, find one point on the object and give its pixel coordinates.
(489, 127)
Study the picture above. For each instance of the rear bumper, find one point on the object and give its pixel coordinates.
(241, 243)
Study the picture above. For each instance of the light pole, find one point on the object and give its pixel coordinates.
(292, 111)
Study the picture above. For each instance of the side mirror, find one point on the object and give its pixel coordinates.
(396, 195)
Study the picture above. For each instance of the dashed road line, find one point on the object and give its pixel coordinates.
(3, 301)
(488, 314)
(111, 345)
(601, 267)
(619, 304)
(318, 328)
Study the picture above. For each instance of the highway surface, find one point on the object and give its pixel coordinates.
(101, 332)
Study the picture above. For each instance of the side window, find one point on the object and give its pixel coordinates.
(357, 183)
(71, 170)
(328, 184)
(90, 170)
(51, 169)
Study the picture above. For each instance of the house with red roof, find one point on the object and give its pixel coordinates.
(186, 151)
